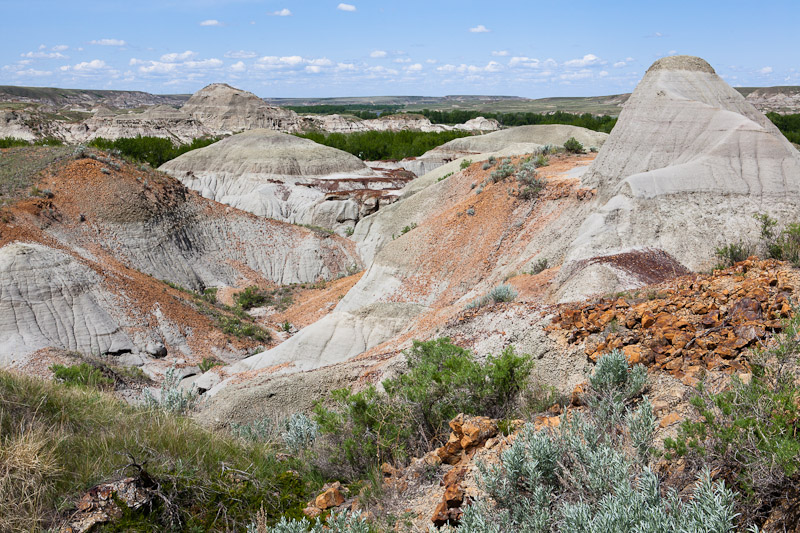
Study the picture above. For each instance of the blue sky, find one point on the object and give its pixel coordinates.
(304, 48)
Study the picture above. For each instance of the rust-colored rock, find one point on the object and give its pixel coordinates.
(331, 497)
(671, 418)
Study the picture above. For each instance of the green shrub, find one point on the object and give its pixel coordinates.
(83, 374)
(208, 363)
(539, 267)
(503, 293)
(603, 123)
(251, 297)
(465, 164)
(374, 145)
(541, 160)
(10, 142)
(152, 150)
(260, 430)
(233, 325)
(363, 429)
(731, 254)
(750, 433)
(408, 228)
(573, 146)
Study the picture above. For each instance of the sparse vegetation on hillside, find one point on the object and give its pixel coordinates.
(750, 432)
(362, 429)
(152, 150)
(363, 111)
(374, 145)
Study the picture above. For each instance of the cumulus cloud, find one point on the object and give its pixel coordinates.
(32, 73)
(523, 61)
(284, 62)
(211, 22)
(416, 67)
(59, 48)
(241, 54)
(378, 53)
(108, 42)
(585, 61)
(238, 66)
(402, 60)
(765, 70)
(43, 55)
(86, 66)
(431, 61)
(314, 69)
(620, 64)
(168, 67)
(480, 28)
(281, 13)
(500, 53)
(346, 7)
(183, 56)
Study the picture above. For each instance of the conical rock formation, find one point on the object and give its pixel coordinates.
(688, 164)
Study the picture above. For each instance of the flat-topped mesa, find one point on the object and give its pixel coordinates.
(225, 109)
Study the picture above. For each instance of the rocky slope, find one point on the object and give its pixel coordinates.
(518, 140)
(82, 272)
(286, 178)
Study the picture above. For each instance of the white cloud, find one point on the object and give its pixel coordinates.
(86, 66)
(314, 69)
(585, 61)
(42, 46)
(402, 60)
(238, 66)
(480, 28)
(765, 70)
(291, 60)
(43, 55)
(523, 61)
(346, 7)
(241, 54)
(378, 53)
(416, 67)
(579, 75)
(281, 13)
(603, 73)
(211, 22)
(658, 34)
(32, 73)
(183, 56)
(500, 53)
(345, 66)
(109, 42)
(59, 48)
(620, 64)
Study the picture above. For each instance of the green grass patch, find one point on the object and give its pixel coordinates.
(152, 150)
(57, 441)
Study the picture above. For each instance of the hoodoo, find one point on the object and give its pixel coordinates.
(688, 164)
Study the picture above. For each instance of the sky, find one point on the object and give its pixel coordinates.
(321, 48)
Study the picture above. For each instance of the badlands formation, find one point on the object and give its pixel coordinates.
(81, 272)
(684, 171)
(216, 110)
(287, 178)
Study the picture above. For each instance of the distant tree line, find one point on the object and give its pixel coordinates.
(603, 123)
(788, 124)
(152, 150)
(363, 111)
(374, 145)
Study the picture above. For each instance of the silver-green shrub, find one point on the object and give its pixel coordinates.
(300, 432)
(259, 430)
(503, 293)
(172, 397)
(591, 476)
(344, 522)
